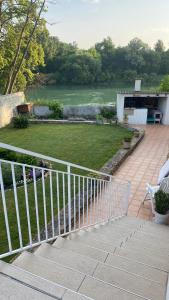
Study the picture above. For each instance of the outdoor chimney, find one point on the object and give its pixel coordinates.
(137, 85)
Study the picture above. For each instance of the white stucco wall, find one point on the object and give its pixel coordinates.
(164, 108)
(8, 105)
(120, 107)
(139, 116)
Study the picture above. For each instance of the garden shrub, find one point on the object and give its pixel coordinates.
(28, 160)
(20, 122)
(161, 202)
(7, 174)
(20, 158)
(57, 110)
(108, 113)
(8, 155)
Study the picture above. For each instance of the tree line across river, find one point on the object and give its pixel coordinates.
(29, 55)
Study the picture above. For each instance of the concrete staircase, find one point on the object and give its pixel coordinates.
(126, 259)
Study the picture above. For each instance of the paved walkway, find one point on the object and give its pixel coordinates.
(143, 166)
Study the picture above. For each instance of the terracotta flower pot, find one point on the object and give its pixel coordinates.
(24, 108)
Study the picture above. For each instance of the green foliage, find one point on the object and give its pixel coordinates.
(13, 44)
(17, 157)
(108, 113)
(57, 110)
(27, 159)
(99, 119)
(161, 202)
(20, 122)
(8, 155)
(105, 62)
(164, 86)
(7, 174)
(128, 139)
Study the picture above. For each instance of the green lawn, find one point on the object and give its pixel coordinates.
(88, 145)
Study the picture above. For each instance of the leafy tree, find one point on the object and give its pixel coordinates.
(159, 46)
(164, 86)
(20, 52)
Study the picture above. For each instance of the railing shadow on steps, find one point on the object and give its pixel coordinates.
(54, 202)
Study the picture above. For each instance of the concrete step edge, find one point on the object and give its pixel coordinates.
(107, 265)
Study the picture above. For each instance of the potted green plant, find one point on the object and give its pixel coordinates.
(125, 119)
(161, 207)
(136, 133)
(99, 119)
(127, 142)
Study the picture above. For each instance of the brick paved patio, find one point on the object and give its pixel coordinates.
(143, 166)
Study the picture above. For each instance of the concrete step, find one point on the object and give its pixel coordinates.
(123, 223)
(151, 244)
(67, 258)
(143, 257)
(131, 282)
(153, 239)
(71, 279)
(81, 248)
(137, 268)
(152, 226)
(120, 278)
(114, 260)
(94, 241)
(131, 221)
(47, 287)
(152, 250)
(155, 232)
(111, 229)
(14, 290)
(103, 235)
(99, 290)
(74, 296)
(32, 280)
(50, 270)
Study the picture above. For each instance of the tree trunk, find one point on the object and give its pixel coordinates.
(26, 49)
(14, 62)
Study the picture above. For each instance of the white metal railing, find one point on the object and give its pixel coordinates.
(49, 203)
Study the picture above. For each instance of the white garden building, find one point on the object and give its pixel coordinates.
(141, 107)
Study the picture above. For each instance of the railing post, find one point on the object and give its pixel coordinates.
(69, 196)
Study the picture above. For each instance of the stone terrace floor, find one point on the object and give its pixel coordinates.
(143, 166)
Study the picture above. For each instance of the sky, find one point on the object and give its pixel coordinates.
(89, 21)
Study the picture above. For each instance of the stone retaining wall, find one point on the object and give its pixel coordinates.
(72, 111)
(8, 105)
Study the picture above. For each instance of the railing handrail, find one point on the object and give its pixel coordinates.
(59, 161)
(50, 170)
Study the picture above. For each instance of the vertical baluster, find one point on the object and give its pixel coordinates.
(44, 204)
(79, 197)
(69, 197)
(16, 205)
(94, 207)
(58, 200)
(64, 202)
(51, 203)
(100, 199)
(27, 205)
(97, 197)
(91, 194)
(36, 204)
(87, 209)
(83, 202)
(5, 209)
(105, 199)
(74, 191)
